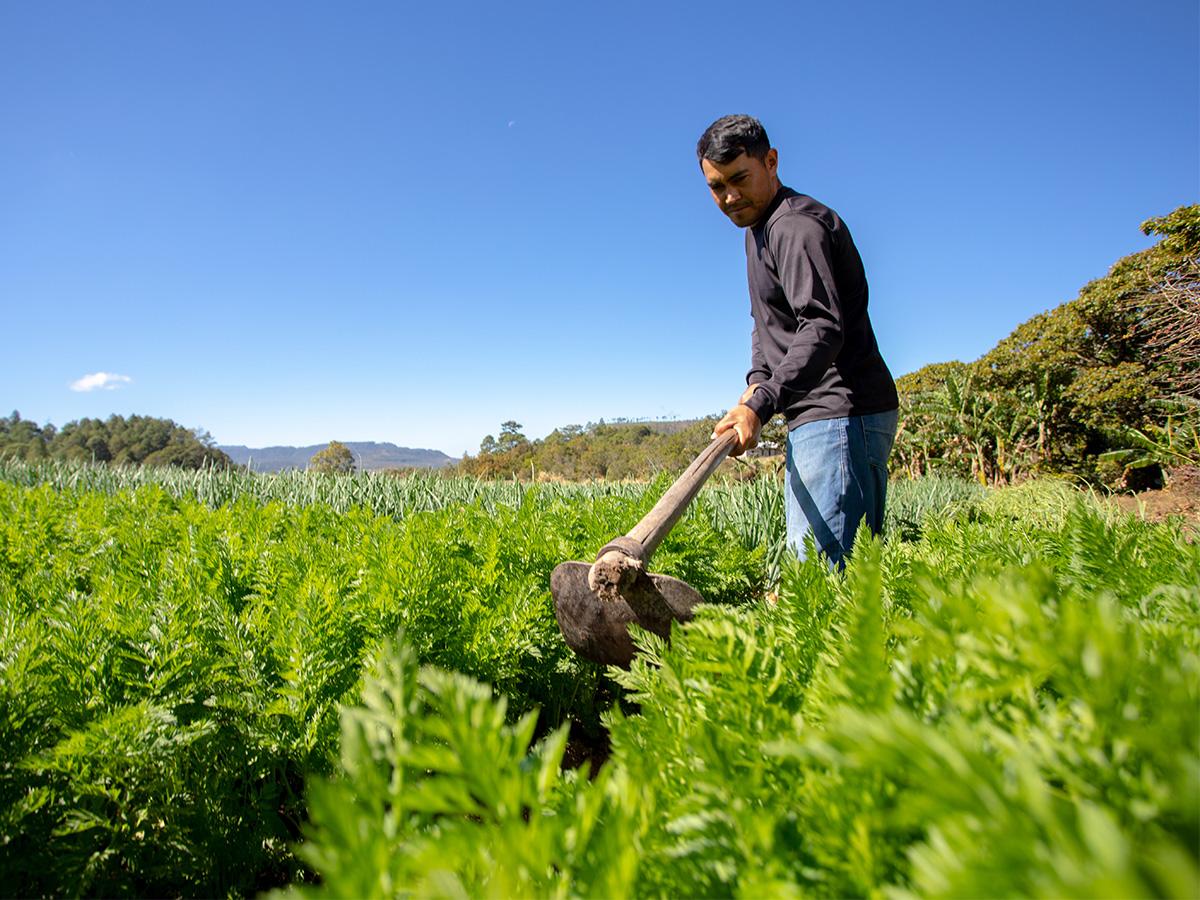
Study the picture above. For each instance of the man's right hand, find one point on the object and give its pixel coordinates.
(744, 421)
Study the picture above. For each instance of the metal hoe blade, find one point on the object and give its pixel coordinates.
(595, 603)
(596, 629)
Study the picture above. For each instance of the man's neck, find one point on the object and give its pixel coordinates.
(771, 207)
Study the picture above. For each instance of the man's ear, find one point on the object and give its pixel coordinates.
(772, 160)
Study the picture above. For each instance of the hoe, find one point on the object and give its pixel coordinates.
(595, 603)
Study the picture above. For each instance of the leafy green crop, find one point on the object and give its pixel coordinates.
(200, 693)
(171, 673)
(1008, 707)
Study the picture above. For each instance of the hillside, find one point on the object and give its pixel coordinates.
(368, 455)
(1104, 387)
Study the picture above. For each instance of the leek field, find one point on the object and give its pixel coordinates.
(221, 684)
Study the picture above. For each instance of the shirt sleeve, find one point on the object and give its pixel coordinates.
(759, 370)
(803, 251)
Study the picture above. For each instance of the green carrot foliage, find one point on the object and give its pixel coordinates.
(1009, 706)
(203, 692)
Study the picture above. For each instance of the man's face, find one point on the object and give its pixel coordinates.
(743, 187)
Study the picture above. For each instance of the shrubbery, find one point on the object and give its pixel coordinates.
(1102, 385)
(138, 440)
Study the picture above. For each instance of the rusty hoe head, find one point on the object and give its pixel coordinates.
(595, 603)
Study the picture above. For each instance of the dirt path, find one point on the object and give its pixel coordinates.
(1181, 497)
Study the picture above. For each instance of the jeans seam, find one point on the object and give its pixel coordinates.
(844, 465)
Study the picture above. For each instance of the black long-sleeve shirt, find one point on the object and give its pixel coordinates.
(812, 350)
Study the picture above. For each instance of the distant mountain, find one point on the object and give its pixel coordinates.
(369, 456)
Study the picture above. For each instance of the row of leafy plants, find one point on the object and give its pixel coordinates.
(1008, 706)
(171, 670)
(175, 652)
(752, 511)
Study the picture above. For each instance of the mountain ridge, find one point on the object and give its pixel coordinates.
(369, 456)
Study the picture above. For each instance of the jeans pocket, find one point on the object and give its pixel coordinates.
(879, 431)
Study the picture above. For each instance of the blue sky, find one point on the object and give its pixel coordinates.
(287, 223)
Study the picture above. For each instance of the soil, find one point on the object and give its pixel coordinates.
(1180, 497)
(586, 748)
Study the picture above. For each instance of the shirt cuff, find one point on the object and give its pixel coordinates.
(762, 403)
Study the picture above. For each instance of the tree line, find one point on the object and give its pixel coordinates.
(137, 440)
(1104, 387)
(605, 450)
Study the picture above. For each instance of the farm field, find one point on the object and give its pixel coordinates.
(221, 684)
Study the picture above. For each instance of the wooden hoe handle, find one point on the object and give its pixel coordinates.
(657, 523)
(620, 562)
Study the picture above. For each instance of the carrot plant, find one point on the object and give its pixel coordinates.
(1007, 706)
(200, 693)
(171, 672)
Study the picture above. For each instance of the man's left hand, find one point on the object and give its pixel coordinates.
(745, 422)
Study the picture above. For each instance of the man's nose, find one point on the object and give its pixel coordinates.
(732, 197)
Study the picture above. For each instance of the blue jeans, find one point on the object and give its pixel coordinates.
(836, 477)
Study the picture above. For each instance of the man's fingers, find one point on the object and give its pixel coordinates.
(744, 423)
(740, 430)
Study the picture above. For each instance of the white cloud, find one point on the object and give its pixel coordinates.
(100, 381)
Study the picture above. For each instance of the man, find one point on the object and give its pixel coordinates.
(813, 355)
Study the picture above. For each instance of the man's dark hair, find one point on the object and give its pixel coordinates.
(730, 136)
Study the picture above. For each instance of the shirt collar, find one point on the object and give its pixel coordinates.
(780, 195)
